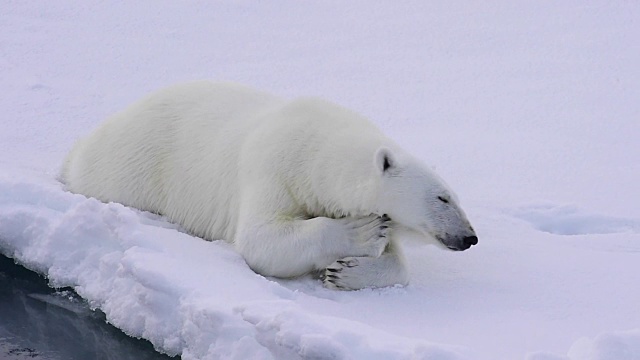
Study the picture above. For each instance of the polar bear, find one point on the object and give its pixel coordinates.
(297, 187)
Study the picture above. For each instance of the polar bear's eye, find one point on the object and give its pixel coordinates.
(444, 200)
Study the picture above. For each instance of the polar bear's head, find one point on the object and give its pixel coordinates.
(416, 198)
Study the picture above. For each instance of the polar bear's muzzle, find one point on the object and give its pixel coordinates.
(459, 243)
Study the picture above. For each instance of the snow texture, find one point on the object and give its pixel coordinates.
(529, 110)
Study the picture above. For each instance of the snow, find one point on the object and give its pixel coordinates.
(528, 109)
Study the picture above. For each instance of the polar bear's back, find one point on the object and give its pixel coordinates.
(161, 152)
(191, 151)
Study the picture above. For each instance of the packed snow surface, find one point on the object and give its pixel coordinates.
(528, 109)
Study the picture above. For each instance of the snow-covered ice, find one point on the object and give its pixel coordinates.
(528, 109)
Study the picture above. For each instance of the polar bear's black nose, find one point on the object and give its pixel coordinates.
(470, 240)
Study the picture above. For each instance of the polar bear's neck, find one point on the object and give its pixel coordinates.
(345, 180)
(333, 172)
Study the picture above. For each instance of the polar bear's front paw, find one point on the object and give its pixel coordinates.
(353, 273)
(369, 234)
(336, 276)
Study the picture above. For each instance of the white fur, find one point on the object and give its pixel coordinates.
(294, 185)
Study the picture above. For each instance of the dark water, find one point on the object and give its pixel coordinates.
(37, 322)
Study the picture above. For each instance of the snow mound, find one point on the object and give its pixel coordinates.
(569, 220)
(619, 345)
(187, 296)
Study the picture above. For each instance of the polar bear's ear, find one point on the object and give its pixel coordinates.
(384, 160)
